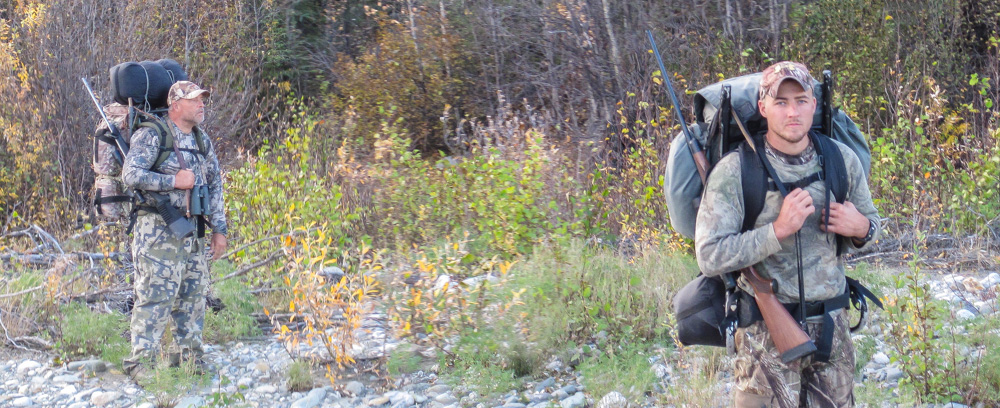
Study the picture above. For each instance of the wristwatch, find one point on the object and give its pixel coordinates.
(870, 234)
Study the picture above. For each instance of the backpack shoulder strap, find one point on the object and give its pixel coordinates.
(166, 139)
(754, 179)
(199, 137)
(834, 168)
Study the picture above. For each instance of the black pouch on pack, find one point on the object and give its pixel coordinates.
(700, 307)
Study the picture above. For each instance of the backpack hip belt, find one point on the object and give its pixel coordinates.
(854, 294)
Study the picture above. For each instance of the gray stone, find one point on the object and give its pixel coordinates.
(991, 280)
(893, 374)
(541, 397)
(514, 405)
(101, 399)
(569, 389)
(146, 405)
(266, 389)
(354, 388)
(965, 314)
(244, 382)
(83, 405)
(375, 402)
(68, 390)
(92, 366)
(985, 308)
(21, 402)
(578, 400)
(880, 358)
(613, 399)
(548, 382)
(190, 402)
(662, 371)
(954, 405)
(331, 274)
(560, 395)
(64, 379)
(402, 398)
(446, 399)
(85, 394)
(311, 400)
(27, 365)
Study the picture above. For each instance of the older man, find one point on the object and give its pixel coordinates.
(171, 272)
(825, 379)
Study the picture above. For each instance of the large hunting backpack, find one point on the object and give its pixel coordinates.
(703, 307)
(716, 130)
(145, 84)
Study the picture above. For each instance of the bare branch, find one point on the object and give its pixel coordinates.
(94, 229)
(46, 235)
(23, 292)
(243, 271)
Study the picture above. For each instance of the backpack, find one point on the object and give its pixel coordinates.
(716, 130)
(112, 200)
(145, 84)
(701, 306)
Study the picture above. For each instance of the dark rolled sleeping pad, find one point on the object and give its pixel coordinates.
(174, 69)
(144, 82)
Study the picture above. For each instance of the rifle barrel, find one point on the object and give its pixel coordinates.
(693, 145)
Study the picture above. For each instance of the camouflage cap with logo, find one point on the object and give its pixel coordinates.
(775, 74)
(185, 90)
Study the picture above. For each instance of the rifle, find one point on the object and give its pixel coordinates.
(789, 338)
(116, 135)
(700, 161)
(176, 223)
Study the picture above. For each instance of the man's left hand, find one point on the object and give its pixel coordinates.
(218, 246)
(845, 220)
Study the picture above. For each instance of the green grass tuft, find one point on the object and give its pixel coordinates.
(88, 333)
(300, 376)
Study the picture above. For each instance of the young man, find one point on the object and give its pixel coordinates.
(171, 273)
(787, 102)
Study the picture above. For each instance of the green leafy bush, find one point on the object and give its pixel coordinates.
(235, 320)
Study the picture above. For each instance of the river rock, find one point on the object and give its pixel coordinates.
(26, 366)
(190, 402)
(578, 400)
(880, 358)
(545, 384)
(613, 399)
(92, 366)
(101, 398)
(311, 400)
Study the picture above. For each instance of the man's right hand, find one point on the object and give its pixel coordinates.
(184, 180)
(798, 205)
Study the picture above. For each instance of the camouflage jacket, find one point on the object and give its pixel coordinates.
(145, 147)
(721, 247)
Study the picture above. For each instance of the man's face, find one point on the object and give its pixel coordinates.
(191, 111)
(790, 112)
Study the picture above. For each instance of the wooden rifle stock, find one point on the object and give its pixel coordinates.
(789, 338)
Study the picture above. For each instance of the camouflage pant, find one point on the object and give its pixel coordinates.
(170, 281)
(762, 380)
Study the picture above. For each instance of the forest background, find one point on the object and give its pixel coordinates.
(460, 136)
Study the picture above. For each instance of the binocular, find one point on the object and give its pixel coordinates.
(200, 200)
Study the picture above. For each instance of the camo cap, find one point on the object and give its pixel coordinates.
(185, 90)
(775, 74)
